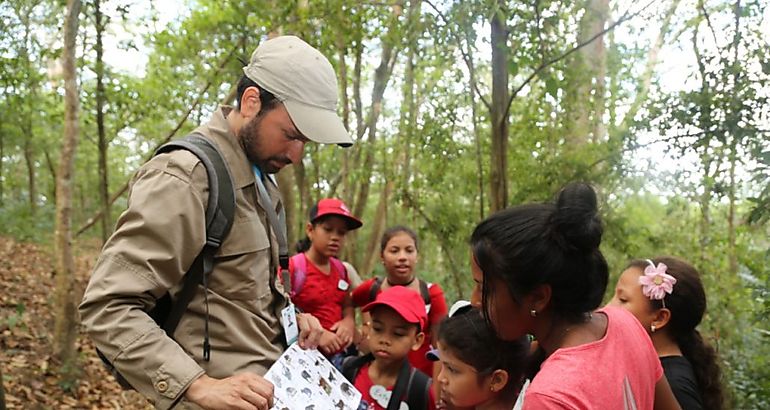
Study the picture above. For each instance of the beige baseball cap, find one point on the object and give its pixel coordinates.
(304, 80)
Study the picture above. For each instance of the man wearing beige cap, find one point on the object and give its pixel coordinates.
(230, 332)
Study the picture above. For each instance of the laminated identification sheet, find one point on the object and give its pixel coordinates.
(305, 380)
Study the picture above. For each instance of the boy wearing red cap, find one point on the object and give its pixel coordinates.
(320, 283)
(384, 377)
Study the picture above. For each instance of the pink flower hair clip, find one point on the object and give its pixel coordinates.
(656, 283)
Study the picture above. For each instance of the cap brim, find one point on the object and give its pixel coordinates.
(459, 307)
(432, 355)
(351, 221)
(318, 124)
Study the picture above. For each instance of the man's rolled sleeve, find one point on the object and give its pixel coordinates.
(155, 242)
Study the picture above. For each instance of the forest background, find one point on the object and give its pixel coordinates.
(459, 109)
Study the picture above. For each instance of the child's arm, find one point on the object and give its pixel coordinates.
(330, 343)
(344, 328)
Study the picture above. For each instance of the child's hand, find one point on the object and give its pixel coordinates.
(344, 330)
(330, 343)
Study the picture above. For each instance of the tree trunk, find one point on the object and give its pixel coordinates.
(26, 119)
(598, 52)
(645, 80)
(499, 172)
(585, 96)
(2, 391)
(2, 155)
(52, 170)
(381, 78)
(104, 193)
(378, 227)
(735, 108)
(286, 186)
(732, 253)
(65, 324)
(29, 160)
(408, 116)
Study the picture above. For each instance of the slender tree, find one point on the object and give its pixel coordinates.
(65, 327)
(499, 110)
(104, 193)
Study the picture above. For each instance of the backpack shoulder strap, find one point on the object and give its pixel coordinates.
(401, 387)
(339, 267)
(375, 288)
(299, 265)
(352, 364)
(220, 211)
(417, 394)
(424, 292)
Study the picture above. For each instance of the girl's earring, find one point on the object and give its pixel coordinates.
(533, 313)
(652, 328)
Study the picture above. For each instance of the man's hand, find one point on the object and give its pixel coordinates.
(309, 331)
(344, 330)
(241, 391)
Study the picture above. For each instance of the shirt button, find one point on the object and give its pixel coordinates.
(162, 386)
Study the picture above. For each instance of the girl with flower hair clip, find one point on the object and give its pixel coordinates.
(666, 295)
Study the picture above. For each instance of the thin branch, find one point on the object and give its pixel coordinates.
(91, 221)
(456, 274)
(467, 58)
(671, 138)
(564, 55)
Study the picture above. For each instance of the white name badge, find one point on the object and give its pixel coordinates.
(343, 285)
(289, 322)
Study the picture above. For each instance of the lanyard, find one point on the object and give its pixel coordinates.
(278, 222)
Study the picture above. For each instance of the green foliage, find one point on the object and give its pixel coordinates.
(438, 155)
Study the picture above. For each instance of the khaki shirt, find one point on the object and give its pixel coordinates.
(156, 240)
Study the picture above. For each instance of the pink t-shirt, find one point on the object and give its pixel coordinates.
(619, 371)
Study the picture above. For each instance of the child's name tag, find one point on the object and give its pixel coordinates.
(289, 322)
(343, 285)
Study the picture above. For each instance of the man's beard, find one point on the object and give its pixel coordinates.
(252, 143)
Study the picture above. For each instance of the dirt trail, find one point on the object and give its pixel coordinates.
(26, 323)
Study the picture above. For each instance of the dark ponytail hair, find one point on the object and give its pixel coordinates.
(468, 336)
(302, 245)
(687, 304)
(555, 244)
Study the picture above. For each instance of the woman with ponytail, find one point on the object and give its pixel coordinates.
(538, 271)
(667, 297)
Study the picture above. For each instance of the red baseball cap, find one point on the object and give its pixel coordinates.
(405, 302)
(334, 206)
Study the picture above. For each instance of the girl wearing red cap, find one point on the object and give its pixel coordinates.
(320, 283)
(399, 252)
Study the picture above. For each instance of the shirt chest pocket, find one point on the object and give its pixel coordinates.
(242, 270)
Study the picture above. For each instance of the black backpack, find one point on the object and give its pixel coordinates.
(377, 284)
(220, 210)
(411, 382)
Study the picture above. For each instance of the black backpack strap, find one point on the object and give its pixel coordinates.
(418, 395)
(352, 364)
(220, 211)
(401, 387)
(424, 292)
(375, 288)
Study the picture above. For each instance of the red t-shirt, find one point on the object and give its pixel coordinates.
(321, 295)
(377, 397)
(436, 312)
(618, 371)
